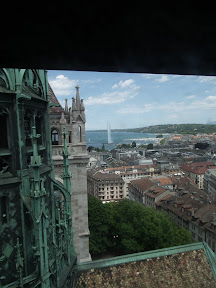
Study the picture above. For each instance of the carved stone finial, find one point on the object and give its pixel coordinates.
(66, 106)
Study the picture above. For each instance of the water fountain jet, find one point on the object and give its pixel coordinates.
(109, 133)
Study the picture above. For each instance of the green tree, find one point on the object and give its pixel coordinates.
(98, 226)
(103, 148)
(129, 227)
(133, 145)
(142, 229)
(150, 146)
(162, 141)
(159, 136)
(90, 148)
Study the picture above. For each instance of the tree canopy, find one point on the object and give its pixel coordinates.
(150, 146)
(129, 227)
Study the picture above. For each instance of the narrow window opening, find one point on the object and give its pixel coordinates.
(80, 134)
(70, 137)
(38, 124)
(3, 132)
(54, 137)
(3, 210)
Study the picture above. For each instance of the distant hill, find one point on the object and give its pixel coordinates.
(176, 128)
(210, 123)
(171, 128)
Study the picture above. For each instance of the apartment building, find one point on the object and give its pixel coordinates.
(194, 212)
(154, 194)
(196, 171)
(210, 182)
(104, 186)
(128, 173)
(149, 191)
(138, 188)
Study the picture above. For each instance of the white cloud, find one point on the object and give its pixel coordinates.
(148, 76)
(206, 79)
(175, 76)
(115, 97)
(173, 109)
(211, 98)
(91, 81)
(135, 110)
(191, 96)
(163, 78)
(124, 90)
(63, 86)
(123, 84)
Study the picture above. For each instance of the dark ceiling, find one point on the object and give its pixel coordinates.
(128, 37)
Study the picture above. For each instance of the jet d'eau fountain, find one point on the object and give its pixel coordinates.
(109, 133)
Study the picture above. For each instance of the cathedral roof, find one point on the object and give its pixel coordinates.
(191, 265)
(56, 108)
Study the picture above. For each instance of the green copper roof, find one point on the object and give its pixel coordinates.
(139, 256)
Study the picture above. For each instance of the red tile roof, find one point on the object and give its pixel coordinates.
(123, 168)
(155, 191)
(185, 269)
(106, 176)
(163, 180)
(198, 167)
(54, 100)
(143, 184)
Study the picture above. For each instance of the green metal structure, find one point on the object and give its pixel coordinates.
(36, 234)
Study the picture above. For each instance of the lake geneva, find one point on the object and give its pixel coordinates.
(98, 138)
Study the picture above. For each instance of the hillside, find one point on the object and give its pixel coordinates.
(176, 128)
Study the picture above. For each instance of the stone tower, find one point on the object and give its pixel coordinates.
(73, 119)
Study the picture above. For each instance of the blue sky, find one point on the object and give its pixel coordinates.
(129, 100)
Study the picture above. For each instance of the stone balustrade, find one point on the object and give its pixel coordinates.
(57, 150)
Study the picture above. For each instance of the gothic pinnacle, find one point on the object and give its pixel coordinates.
(77, 97)
(66, 106)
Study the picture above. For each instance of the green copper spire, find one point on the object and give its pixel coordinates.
(19, 263)
(66, 175)
(38, 194)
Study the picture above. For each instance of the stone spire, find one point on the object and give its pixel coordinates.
(66, 106)
(78, 108)
(82, 107)
(73, 104)
(77, 98)
(82, 110)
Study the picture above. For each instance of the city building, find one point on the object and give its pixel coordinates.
(129, 173)
(138, 188)
(194, 211)
(72, 119)
(149, 191)
(209, 184)
(106, 187)
(197, 170)
(154, 194)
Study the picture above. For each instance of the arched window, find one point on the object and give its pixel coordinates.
(31, 80)
(54, 137)
(80, 134)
